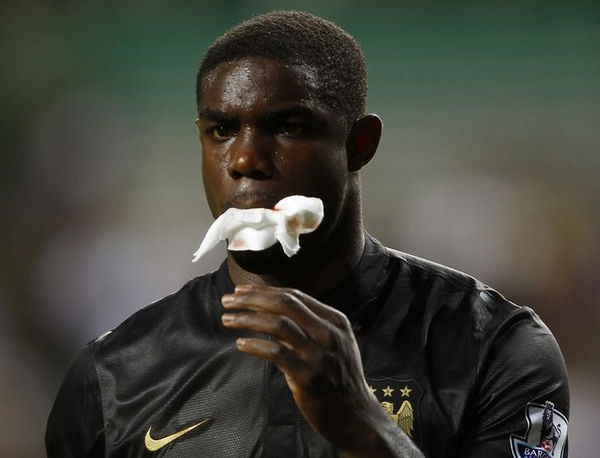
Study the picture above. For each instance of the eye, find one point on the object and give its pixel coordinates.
(221, 132)
(293, 129)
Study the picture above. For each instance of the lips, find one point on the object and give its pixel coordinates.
(252, 199)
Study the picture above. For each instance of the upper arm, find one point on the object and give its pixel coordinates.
(522, 398)
(75, 425)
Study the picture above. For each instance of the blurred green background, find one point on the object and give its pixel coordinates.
(489, 163)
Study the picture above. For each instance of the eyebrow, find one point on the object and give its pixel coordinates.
(290, 112)
(272, 116)
(214, 115)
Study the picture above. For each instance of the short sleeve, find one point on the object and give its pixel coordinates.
(522, 403)
(75, 425)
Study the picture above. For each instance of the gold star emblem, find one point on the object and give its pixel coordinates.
(405, 391)
(372, 389)
(387, 391)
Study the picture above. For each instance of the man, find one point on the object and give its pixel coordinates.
(347, 348)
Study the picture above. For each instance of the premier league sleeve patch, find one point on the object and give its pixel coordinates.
(546, 434)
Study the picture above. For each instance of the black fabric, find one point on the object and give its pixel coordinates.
(78, 404)
(437, 345)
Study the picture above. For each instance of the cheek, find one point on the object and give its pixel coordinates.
(214, 174)
(329, 168)
(332, 177)
(214, 161)
(319, 171)
(314, 159)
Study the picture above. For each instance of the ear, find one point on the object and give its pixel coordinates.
(362, 141)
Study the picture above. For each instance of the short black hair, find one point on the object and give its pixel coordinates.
(299, 38)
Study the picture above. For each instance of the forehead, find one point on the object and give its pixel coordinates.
(258, 81)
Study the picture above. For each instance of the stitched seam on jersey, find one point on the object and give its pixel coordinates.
(504, 326)
(297, 439)
(407, 259)
(508, 322)
(391, 273)
(383, 276)
(102, 398)
(466, 288)
(266, 390)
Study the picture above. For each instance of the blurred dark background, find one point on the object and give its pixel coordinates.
(490, 163)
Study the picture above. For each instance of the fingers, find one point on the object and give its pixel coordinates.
(280, 327)
(285, 359)
(314, 347)
(291, 297)
(326, 312)
(309, 371)
(296, 306)
(308, 337)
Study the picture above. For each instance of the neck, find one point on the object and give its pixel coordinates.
(325, 261)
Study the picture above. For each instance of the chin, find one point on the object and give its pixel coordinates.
(267, 261)
(273, 261)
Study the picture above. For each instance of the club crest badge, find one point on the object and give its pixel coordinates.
(546, 434)
(401, 400)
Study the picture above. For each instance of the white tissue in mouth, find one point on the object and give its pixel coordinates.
(257, 229)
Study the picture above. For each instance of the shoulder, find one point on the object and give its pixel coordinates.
(426, 273)
(76, 425)
(470, 334)
(194, 299)
(448, 295)
(456, 307)
(76, 422)
(509, 358)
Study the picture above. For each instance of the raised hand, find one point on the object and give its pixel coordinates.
(314, 346)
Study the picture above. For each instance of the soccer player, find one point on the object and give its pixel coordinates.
(348, 348)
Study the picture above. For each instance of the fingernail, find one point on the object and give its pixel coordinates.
(227, 299)
(227, 318)
(242, 288)
(240, 342)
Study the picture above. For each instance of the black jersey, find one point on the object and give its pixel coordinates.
(461, 370)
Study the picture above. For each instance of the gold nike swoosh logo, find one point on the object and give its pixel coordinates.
(155, 444)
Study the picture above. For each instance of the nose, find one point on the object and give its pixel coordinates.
(251, 156)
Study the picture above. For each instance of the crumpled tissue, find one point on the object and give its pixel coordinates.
(257, 229)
